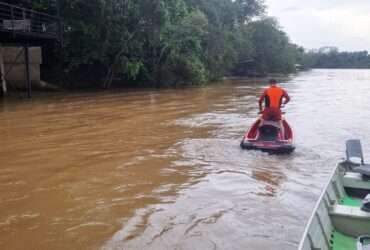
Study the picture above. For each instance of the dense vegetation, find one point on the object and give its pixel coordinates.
(330, 57)
(168, 42)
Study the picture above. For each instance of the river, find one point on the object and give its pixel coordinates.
(162, 169)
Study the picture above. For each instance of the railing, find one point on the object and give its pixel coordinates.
(27, 22)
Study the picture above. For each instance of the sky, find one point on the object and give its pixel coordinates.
(316, 23)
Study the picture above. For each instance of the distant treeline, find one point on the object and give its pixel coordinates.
(166, 42)
(330, 57)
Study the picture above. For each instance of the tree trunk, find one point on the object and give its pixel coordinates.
(2, 72)
(108, 78)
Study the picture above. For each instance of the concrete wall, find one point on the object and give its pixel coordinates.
(15, 67)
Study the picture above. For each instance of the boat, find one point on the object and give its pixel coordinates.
(269, 136)
(341, 217)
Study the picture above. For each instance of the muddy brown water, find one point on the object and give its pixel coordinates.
(162, 169)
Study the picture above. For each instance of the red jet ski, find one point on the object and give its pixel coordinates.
(269, 136)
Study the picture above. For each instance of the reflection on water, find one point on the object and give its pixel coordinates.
(163, 169)
(272, 178)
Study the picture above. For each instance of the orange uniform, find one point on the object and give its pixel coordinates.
(273, 97)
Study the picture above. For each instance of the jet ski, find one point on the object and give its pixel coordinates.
(269, 136)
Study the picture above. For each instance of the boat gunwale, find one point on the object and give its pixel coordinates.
(317, 205)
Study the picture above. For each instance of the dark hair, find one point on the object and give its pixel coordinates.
(272, 81)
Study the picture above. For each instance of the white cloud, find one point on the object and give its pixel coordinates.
(341, 23)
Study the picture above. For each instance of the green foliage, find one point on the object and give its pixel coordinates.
(273, 52)
(182, 49)
(132, 69)
(166, 42)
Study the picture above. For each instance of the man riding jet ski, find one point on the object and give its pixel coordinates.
(271, 132)
(273, 97)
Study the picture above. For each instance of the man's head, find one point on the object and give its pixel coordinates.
(272, 82)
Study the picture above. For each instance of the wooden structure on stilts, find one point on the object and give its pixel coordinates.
(25, 27)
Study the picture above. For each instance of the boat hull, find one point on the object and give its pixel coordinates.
(338, 221)
(270, 147)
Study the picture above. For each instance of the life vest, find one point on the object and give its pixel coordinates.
(273, 97)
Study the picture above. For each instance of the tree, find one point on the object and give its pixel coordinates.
(166, 42)
(273, 51)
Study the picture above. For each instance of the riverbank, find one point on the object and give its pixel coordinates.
(43, 90)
